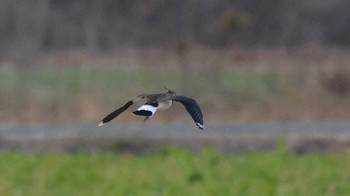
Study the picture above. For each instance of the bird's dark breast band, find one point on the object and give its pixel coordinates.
(152, 104)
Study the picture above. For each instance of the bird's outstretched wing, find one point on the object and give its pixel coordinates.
(118, 111)
(192, 108)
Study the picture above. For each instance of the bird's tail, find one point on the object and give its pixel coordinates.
(146, 110)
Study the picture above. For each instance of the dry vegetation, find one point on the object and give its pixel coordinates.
(237, 84)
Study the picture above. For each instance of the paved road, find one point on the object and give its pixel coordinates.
(147, 137)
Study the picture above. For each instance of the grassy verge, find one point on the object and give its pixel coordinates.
(174, 172)
(47, 94)
(266, 85)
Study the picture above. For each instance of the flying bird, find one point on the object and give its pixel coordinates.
(161, 101)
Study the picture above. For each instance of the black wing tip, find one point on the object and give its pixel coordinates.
(193, 109)
(101, 123)
(200, 126)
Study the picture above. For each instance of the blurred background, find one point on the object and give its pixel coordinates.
(75, 61)
(272, 78)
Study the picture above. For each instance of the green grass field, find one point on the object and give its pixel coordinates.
(247, 85)
(54, 94)
(84, 93)
(175, 172)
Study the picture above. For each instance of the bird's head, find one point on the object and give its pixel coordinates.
(169, 91)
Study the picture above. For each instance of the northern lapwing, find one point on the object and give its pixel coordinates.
(160, 101)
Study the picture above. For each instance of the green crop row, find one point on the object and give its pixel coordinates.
(174, 172)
